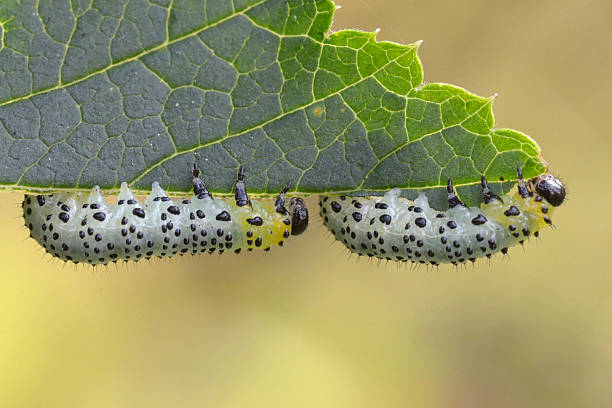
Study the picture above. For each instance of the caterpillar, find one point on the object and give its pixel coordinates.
(94, 232)
(394, 228)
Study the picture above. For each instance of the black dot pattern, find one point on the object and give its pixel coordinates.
(96, 232)
(394, 228)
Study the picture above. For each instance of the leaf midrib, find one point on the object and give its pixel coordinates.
(261, 125)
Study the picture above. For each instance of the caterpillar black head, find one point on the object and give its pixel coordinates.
(297, 209)
(299, 215)
(551, 188)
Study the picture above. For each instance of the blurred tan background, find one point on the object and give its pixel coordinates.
(307, 326)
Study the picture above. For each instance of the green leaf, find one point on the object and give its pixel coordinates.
(101, 92)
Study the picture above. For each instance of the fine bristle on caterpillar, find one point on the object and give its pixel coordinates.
(394, 228)
(92, 231)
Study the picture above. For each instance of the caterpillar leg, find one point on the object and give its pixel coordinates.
(199, 189)
(241, 196)
(453, 200)
(521, 185)
(297, 210)
(280, 200)
(487, 195)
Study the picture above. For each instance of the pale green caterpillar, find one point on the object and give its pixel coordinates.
(394, 228)
(89, 230)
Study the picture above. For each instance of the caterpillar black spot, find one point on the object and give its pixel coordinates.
(394, 228)
(95, 232)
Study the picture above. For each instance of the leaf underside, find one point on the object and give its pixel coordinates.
(97, 92)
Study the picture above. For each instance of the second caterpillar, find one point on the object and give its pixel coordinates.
(394, 228)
